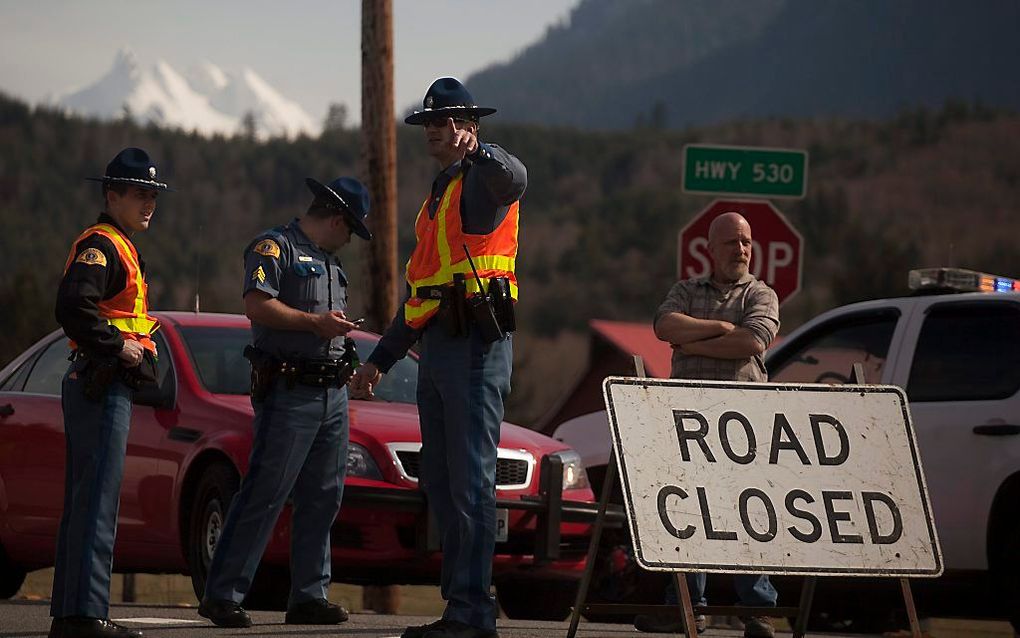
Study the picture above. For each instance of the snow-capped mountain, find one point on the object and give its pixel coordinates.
(208, 99)
(274, 114)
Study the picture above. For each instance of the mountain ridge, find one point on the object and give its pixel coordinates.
(680, 63)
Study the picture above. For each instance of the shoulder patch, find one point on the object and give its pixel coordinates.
(91, 257)
(268, 247)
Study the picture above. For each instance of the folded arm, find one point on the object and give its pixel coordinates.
(679, 329)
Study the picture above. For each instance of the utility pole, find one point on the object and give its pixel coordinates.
(379, 151)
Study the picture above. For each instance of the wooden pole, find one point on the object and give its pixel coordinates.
(379, 152)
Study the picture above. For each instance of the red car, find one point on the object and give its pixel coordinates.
(189, 446)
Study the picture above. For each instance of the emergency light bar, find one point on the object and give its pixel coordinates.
(960, 280)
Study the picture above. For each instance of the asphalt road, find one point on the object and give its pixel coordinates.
(31, 618)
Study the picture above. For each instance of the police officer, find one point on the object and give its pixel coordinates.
(103, 308)
(464, 369)
(295, 292)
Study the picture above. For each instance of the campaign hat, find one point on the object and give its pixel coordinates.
(447, 97)
(347, 195)
(132, 166)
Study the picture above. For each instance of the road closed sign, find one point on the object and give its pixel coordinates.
(774, 478)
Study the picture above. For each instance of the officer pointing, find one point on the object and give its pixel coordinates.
(295, 293)
(102, 305)
(464, 323)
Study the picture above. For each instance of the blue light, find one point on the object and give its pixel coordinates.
(1003, 285)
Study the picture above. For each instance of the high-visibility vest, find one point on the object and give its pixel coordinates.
(128, 310)
(439, 253)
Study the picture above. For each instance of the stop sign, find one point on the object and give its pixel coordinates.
(775, 250)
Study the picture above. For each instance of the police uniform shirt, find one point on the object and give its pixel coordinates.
(493, 180)
(286, 265)
(95, 274)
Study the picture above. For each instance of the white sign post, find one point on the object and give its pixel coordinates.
(772, 478)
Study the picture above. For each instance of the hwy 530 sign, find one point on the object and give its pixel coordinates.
(773, 478)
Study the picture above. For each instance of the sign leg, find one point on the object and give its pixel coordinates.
(690, 627)
(593, 546)
(908, 600)
(807, 595)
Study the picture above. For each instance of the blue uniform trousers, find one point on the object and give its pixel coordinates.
(753, 590)
(462, 383)
(300, 451)
(96, 435)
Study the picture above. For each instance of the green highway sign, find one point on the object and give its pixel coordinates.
(745, 170)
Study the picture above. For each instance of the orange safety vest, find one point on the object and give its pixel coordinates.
(128, 310)
(440, 253)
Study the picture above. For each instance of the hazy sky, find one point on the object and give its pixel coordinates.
(309, 50)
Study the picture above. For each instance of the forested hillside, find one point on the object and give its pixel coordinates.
(683, 62)
(599, 220)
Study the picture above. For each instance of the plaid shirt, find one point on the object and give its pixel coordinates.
(749, 304)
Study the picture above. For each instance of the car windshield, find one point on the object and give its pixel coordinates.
(218, 354)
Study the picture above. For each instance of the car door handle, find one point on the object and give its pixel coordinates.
(1001, 429)
(6, 410)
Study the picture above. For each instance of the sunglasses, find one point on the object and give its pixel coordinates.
(440, 122)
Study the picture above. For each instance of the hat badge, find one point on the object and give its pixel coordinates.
(152, 172)
(428, 102)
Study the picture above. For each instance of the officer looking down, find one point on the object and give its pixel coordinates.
(295, 292)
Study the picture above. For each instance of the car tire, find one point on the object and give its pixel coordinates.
(534, 598)
(11, 576)
(215, 491)
(1004, 557)
(213, 494)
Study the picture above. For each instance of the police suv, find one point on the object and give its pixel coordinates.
(954, 346)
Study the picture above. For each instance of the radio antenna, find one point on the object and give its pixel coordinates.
(198, 273)
(478, 279)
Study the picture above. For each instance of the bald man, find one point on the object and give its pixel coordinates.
(719, 327)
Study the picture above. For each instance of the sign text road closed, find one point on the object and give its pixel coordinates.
(774, 478)
(744, 170)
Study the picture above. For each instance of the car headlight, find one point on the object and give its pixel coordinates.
(574, 475)
(360, 463)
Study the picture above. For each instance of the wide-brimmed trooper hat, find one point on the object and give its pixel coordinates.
(447, 97)
(132, 166)
(347, 195)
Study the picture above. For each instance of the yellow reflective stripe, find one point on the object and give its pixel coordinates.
(482, 262)
(137, 325)
(441, 242)
(141, 324)
(412, 312)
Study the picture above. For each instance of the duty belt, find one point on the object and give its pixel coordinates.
(322, 373)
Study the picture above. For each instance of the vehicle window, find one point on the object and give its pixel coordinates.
(400, 384)
(218, 355)
(967, 352)
(47, 374)
(16, 381)
(827, 353)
